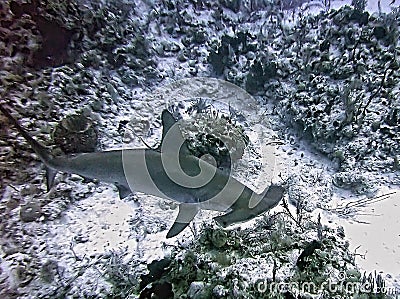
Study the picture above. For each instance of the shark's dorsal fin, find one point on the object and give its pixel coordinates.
(186, 214)
(168, 122)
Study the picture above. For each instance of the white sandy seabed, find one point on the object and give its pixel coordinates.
(376, 235)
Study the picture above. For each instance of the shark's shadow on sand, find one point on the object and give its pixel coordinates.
(169, 171)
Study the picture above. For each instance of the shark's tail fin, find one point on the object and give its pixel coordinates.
(42, 152)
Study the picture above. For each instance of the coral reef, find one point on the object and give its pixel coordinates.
(249, 263)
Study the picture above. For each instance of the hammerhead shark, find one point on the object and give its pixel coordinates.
(169, 171)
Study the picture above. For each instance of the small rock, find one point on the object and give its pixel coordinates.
(48, 271)
(193, 71)
(233, 5)
(113, 92)
(192, 63)
(30, 212)
(219, 291)
(354, 181)
(97, 105)
(182, 57)
(80, 238)
(218, 238)
(9, 249)
(380, 32)
(29, 190)
(21, 276)
(197, 290)
(12, 203)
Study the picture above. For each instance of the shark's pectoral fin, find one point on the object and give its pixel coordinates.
(176, 228)
(186, 214)
(50, 176)
(244, 212)
(123, 191)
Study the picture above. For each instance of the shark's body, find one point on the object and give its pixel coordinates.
(152, 171)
